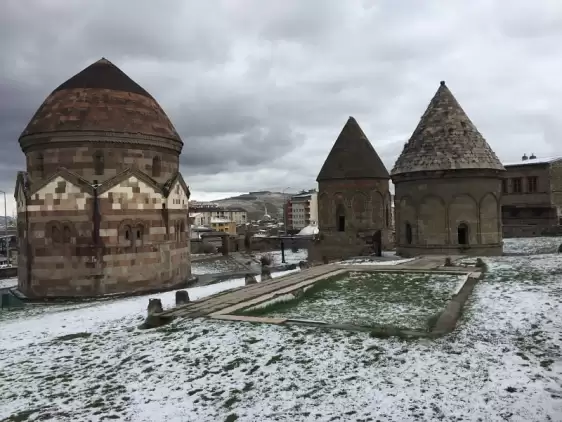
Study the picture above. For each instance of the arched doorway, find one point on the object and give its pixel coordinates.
(408, 233)
(340, 217)
(462, 234)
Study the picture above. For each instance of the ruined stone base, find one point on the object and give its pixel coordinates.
(337, 246)
(408, 251)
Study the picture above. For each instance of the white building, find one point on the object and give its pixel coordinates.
(304, 209)
(204, 213)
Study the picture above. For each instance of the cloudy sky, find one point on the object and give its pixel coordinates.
(260, 89)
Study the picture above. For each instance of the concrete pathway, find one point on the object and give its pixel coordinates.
(218, 303)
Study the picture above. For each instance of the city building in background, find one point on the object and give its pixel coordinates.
(304, 209)
(531, 202)
(203, 213)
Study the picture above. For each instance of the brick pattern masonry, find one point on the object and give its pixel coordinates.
(102, 209)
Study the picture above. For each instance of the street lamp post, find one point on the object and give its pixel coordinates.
(6, 240)
(285, 210)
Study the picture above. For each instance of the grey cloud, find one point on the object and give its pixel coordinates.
(259, 91)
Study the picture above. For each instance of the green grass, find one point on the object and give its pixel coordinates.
(401, 300)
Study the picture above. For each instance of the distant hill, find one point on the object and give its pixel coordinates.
(254, 203)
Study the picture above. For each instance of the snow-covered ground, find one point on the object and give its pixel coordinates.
(8, 283)
(502, 363)
(290, 256)
(368, 261)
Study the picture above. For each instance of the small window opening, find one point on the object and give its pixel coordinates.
(462, 234)
(408, 233)
(340, 217)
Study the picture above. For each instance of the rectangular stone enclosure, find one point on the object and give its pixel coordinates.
(384, 302)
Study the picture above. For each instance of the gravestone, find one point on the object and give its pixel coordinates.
(250, 279)
(154, 306)
(303, 265)
(182, 297)
(265, 273)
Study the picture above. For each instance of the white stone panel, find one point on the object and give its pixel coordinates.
(178, 198)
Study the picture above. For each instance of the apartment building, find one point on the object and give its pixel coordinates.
(302, 210)
(203, 213)
(531, 201)
(225, 225)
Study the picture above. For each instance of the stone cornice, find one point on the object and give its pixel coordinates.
(448, 174)
(38, 142)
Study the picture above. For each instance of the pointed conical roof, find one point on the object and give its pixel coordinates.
(352, 157)
(445, 139)
(103, 75)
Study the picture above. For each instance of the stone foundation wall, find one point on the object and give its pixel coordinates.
(525, 230)
(409, 251)
(336, 246)
(109, 273)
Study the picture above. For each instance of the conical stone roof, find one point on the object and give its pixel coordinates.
(101, 98)
(352, 157)
(445, 139)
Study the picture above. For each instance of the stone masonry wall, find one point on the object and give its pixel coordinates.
(141, 245)
(366, 205)
(116, 158)
(435, 207)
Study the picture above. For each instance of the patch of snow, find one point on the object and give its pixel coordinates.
(8, 283)
(367, 261)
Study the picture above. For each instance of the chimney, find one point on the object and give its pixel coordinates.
(533, 156)
(524, 158)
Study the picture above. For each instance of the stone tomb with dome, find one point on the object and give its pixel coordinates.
(354, 202)
(102, 207)
(447, 186)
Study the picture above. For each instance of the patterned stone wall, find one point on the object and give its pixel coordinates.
(429, 211)
(115, 158)
(366, 206)
(141, 244)
(365, 203)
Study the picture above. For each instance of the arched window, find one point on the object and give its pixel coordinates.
(462, 234)
(156, 166)
(98, 163)
(55, 234)
(139, 234)
(340, 217)
(40, 164)
(128, 235)
(408, 233)
(66, 234)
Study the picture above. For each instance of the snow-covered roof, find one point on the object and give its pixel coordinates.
(219, 220)
(309, 230)
(529, 161)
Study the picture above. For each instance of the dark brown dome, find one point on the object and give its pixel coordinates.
(101, 98)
